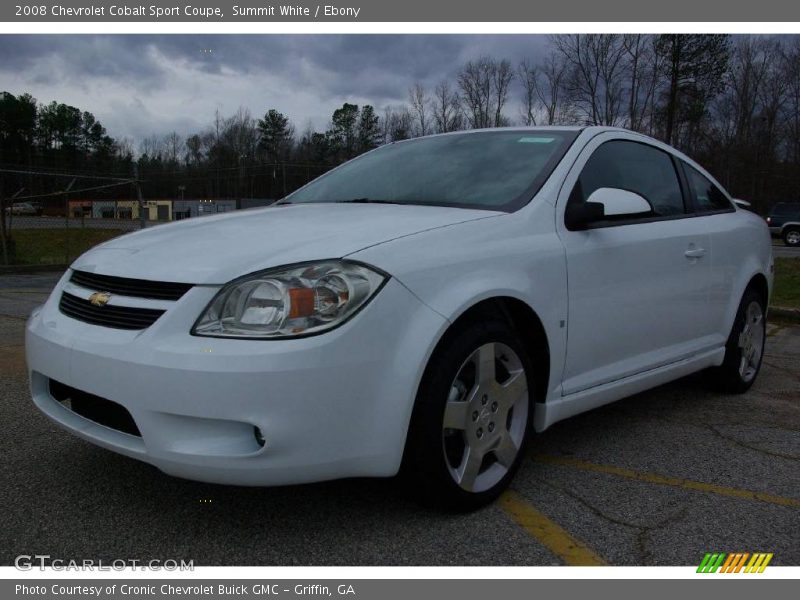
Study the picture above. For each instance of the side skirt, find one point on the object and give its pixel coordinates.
(552, 411)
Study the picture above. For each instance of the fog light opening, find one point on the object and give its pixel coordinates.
(259, 436)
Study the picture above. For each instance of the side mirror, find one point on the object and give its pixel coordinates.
(606, 203)
(742, 203)
(620, 203)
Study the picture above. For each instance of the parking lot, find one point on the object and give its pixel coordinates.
(657, 479)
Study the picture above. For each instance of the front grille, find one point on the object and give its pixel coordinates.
(116, 317)
(99, 410)
(138, 288)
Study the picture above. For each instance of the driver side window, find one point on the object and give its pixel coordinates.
(635, 167)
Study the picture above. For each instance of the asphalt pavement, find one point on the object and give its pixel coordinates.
(657, 479)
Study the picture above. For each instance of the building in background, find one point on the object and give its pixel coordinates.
(159, 210)
(186, 209)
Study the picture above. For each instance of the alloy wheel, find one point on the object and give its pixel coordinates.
(485, 417)
(751, 341)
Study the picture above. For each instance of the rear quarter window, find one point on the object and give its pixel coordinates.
(707, 196)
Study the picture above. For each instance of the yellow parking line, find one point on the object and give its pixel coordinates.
(685, 484)
(569, 549)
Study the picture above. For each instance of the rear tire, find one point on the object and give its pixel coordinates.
(472, 417)
(791, 236)
(744, 350)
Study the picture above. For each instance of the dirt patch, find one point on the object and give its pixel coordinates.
(12, 360)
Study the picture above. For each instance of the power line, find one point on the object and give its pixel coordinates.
(88, 173)
(74, 192)
(213, 170)
(53, 174)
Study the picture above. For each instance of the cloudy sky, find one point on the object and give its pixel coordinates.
(138, 85)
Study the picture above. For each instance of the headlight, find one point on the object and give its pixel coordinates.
(290, 301)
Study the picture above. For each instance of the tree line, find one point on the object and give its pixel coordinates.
(730, 102)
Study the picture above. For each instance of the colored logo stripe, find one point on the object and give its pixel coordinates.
(711, 562)
(734, 562)
(758, 563)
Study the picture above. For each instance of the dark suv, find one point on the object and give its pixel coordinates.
(784, 222)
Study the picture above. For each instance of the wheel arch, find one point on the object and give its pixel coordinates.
(523, 319)
(759, 283)
(757, 280)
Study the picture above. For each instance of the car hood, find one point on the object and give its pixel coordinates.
(214, 250)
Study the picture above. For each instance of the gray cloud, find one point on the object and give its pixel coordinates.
(142, 84)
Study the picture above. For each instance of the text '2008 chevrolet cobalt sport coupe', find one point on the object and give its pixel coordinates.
(428, 305)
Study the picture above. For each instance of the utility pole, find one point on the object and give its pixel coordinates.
(142, 224)
(66, 222)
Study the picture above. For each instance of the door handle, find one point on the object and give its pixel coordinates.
(695, 253)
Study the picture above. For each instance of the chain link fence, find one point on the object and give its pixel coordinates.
(54, 228)
(34, 235)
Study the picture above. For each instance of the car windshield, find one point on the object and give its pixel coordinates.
(499, 170)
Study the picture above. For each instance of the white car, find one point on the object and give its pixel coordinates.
(24, 208)
(428, 305)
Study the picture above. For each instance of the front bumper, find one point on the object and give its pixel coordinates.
(328, 406)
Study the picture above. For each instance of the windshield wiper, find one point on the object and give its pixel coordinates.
(366, 201)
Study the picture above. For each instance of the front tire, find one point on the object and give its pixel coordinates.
(472, 417)
(744, 350)
(791, 236)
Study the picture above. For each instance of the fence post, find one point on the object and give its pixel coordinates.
(5, 224)
(3, 228)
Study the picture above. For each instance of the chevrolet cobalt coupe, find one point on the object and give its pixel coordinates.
(424, 308)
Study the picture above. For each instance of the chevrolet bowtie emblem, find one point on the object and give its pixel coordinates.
(100, 298)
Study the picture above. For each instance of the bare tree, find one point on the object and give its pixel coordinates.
(641, 73)
(152, 146)
(173, 147)
(596, 75)
(528, 75)
(693, 69)
(418, 98)
(397, 124)
(484, 87)
(749, 116)
(550, 89)
(501, 81)
(124, 147)
(446, 108)
(475, 81)
(239, 134)
(790, 66)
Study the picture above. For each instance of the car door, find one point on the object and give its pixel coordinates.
(717, 216)
(638, 287)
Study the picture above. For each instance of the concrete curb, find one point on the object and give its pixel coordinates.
(790, 314)
(14, 269)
